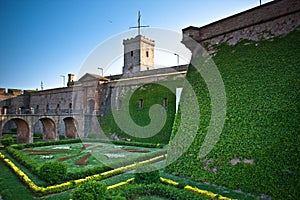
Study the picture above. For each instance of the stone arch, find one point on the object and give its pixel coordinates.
(49, 129)
(23, 130)
(70, 127)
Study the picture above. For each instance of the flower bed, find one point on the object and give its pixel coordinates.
(46, 157)
(111, 155)
(83, 160)
(129, 150)
(98, 146)
(84, 146)
(68, 157)
(39, 152)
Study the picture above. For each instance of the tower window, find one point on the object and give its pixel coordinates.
(131, 53)
(141, 104)
(165, 102)
(147, 54)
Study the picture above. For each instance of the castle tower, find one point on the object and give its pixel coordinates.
(138, 55)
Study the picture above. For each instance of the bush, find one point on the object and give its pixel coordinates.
(7, 141)
(53, 172)
(146, 174)
(89, 190)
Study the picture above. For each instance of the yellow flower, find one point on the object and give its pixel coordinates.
(168, 181)
(120, 184)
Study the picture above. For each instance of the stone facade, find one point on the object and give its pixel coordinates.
(138, 55)
(262, 22)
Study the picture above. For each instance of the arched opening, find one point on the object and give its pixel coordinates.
(49, 129)
(37, 130)
(21, 127)
(9, 129)
(5, 110)
(70, 127)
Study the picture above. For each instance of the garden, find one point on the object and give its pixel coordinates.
(68, 169)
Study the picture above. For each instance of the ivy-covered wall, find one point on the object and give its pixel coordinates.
(258, 150)
(150, 94)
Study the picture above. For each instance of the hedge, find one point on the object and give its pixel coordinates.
(71, 184)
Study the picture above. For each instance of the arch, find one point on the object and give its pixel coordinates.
(49, 129)
(4, 110)
(23, 131)
(70, 127)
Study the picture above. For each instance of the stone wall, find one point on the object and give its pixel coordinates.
(262, 22)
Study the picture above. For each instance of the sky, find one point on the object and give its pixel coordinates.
(43, 40)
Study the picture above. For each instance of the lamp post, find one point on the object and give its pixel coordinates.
(63, 79)
(177, 58)
(101, 71)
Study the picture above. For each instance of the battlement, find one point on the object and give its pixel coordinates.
(137, 39)
(262, 22)
(13, 92)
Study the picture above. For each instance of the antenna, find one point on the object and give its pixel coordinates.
(139, 26)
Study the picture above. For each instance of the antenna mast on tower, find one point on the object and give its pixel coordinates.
(139, 26)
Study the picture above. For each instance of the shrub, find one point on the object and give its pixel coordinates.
(89, 190)
(53, 172)
(7, 141)
(146, 174)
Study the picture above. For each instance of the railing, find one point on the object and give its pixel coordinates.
(52, 112)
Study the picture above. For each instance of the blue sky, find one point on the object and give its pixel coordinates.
(43, 39)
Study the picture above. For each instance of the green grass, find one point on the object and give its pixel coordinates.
(262, 83)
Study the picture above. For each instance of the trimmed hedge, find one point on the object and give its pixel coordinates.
(53, 172)
(132, 191)
(7, 141)
(262, 123)
(123, 142)
(90, 190)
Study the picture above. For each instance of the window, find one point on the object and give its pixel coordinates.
(37, 109)
(165, 102)
(141, 103)
(131, 53)
(57, 108)
(70, 107)
(147, 54)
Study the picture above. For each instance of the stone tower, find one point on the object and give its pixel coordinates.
(138, 55)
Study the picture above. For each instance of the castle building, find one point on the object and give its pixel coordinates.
(57, 110)
(91, 95)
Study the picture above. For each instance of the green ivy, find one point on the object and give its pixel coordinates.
(262, 86)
